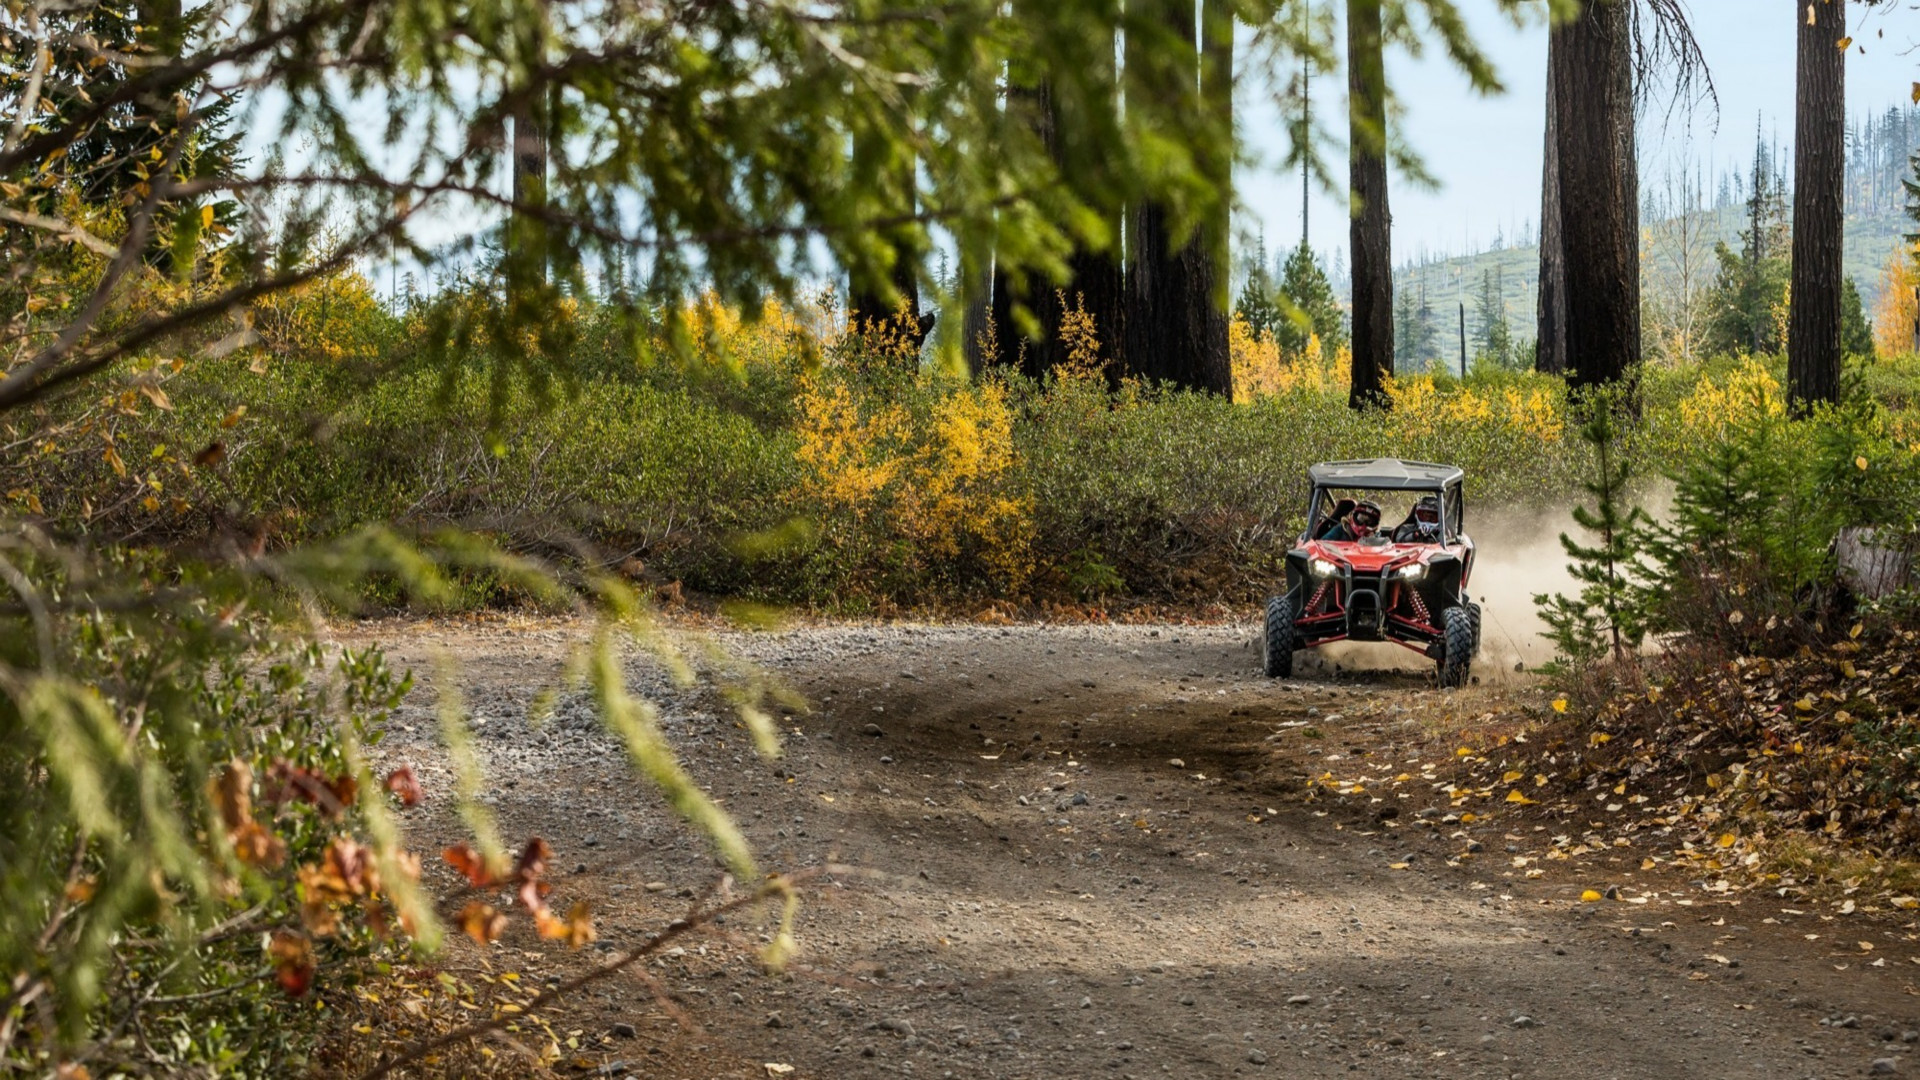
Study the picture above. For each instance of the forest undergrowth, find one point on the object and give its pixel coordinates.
(791, 463)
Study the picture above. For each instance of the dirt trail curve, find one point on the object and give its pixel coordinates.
(1100, 859)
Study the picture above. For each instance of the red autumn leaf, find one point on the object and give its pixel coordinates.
(292, 957)
(463, 858)
(404, 785)
(342, 789)
(351, 862)
(533, 860)
(333, 796)
(482, 922)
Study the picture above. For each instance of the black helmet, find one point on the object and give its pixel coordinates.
(1367, 513)
(1427, 510)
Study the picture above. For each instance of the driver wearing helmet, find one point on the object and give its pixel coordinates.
(1422, 525)
(1358, 522)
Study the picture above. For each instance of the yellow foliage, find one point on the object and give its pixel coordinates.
(1750, 393)
(1260, 369)
(1421, 409)
(324, 318)
(1894, 312)
(1082, 341)
(934, 464)
(719, 335)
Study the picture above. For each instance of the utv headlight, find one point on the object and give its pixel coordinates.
(1413, 571)
(1324, 568)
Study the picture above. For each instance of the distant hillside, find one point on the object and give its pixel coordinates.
(1447, 282)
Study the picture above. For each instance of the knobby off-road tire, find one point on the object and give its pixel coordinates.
(1474, 610)
(1277, 643)
(1457, 656)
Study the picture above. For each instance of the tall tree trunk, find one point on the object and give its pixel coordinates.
(527, 249)
(976, 325)
(1819, 171)
(1152, 271)
(1031, 100)
(1096, 283)
(1371, 228)
(1593, 94)
(1209, 280)
(1550, 347)
(1176, 324)
(869, 307)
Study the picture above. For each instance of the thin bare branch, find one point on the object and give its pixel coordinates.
(30, 100)
(779, 885)
(61, 227)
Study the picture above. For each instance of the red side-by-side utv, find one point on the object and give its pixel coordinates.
(1358, 574)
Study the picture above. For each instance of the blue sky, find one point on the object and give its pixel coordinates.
(1486, 152)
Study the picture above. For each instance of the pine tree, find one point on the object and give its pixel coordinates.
(1425, 347)
(1315, 308)
(1255, 304)
(1496, 335)
(1856, 330)
(1752, 282)
(1404, 317)
(1604, 618)
(1370, 230)
(95, 49)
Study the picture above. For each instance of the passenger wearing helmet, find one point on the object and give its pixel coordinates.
(1358, 523)
(1422, 525)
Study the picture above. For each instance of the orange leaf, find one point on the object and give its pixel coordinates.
(233, 794)
(404, 785)
(463, 858)
(255, 846)
(533, 895)
(292, 957)
(482, 922)
(576, 929)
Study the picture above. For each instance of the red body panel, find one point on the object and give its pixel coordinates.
(1371, 559)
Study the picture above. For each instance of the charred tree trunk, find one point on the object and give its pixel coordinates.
(1032, 101)
(1593, 97)
(1819, 164)
(976, 324)
(1550, 348)
(1371, 228)
(1208, 255)
(1096, 282)
(871, 307)
(1176, 323)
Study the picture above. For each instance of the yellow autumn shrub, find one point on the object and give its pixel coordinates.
(1717, 406)
(1262, 369)
(929, 469)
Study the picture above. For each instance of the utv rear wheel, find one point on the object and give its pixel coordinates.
(1279, 639)
(1474, 611)
(1457, 656)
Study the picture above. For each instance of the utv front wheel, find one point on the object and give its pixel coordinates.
(1279, 639)
(1457, 655)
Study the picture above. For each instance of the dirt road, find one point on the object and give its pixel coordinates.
(1105, 851)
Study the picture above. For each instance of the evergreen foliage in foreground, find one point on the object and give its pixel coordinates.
(1601, 619)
